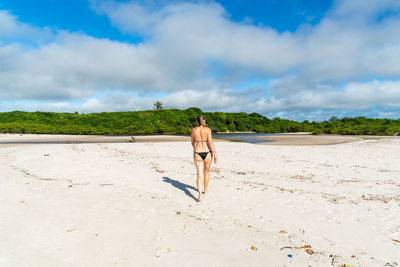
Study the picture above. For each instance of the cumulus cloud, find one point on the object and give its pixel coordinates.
(352, 96)
(365, 9)
(110, 101)
(341, 49)
(13, 30)
(194, 32)
(337, 48)
(74, 66)
(197, 56)
(214, 99)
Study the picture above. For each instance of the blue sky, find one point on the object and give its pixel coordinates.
(282, 15)
(296, 59)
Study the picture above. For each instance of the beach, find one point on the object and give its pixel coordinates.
(132, 203)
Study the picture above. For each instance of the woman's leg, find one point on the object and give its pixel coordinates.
(207, 165)
(199, 168)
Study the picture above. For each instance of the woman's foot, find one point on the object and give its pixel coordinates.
(198, 198)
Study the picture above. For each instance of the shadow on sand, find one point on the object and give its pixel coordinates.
(181, 186)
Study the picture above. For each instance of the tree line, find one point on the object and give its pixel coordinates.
(174, 121)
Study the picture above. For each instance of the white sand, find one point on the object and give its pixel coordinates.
(132, 204)
(63, 138)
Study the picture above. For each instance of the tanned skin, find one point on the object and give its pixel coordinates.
(203, 133)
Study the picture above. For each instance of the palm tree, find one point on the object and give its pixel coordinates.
(158, 105)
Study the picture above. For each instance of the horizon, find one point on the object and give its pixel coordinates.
(293, 59)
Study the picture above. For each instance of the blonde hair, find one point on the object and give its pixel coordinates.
(201, 119)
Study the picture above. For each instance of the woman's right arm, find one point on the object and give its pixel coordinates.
(210, 143)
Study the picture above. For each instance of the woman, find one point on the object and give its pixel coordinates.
(204, 150)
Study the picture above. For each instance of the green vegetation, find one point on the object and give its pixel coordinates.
(158, 105)
(174, 121)
(356, 126)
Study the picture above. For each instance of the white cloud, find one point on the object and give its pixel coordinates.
(337, 48)
(74, 66)
(352, 97)
(12, 29)
(356, 9)
(110, 102)
(214, 99)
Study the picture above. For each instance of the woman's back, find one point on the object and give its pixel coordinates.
(202, 137)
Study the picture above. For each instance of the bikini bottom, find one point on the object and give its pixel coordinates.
(203, 155)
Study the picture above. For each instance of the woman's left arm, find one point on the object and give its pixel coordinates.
(193, 139)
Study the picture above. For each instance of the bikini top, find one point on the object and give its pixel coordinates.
(201, 141)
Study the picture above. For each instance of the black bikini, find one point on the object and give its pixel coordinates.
(202, 155)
